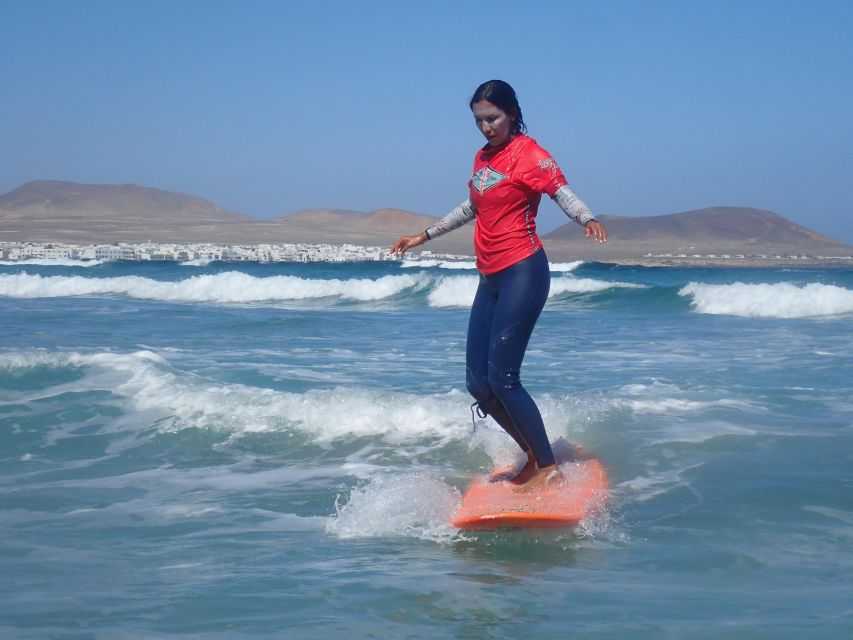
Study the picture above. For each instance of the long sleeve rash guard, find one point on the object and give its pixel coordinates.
(504, 194)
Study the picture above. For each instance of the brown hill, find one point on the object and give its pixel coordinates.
(715, 230)
(69, 212)
(52, 199)
(382, 220)
(381, 227)
(55, 211)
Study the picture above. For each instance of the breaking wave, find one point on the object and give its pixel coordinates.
(438, 264)
(780, 300)
(148, 384)
(234, 287)
(565, 267)
(555, 267)
(60, 262)
(229, 287)
(440, 289)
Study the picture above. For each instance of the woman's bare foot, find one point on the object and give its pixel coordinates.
(527, 472)
(513, 471)
(541, 479)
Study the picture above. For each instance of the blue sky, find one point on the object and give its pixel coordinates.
(265, 108)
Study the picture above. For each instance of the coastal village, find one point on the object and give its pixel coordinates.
(152, 251)
(303, 252)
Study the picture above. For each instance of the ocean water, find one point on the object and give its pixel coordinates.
(211, 450)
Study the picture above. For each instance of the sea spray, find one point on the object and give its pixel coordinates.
(418, 505)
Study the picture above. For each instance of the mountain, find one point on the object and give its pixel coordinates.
(54, 211)
(53, 199)
(715, 230)
(57, 211)
(376, 228)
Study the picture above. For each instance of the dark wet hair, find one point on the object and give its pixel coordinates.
(502, 95)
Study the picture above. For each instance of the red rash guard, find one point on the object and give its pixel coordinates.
(506, 187)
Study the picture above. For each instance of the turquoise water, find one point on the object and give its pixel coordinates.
(248, 451)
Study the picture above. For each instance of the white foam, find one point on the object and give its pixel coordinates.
(417, 505)
(453, 291)
(680, 405)
(645, 488)
(177, 400)
(698, 433)
(459, 291)
(686, 412)
(21, 361)
(438, 264)
(198, 262)
(458, 264)
(419, 264)
(421, 505)
(234, 287)
(781, 300)
(662, 398)
(557, 267)
(570, 284)
(565, 267)
(58, 262)
(228, 287)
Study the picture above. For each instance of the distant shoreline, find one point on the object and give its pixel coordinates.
(21, 252)
(750, 262)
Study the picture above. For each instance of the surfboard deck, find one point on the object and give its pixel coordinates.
(493, 505)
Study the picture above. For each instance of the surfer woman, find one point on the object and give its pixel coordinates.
(511, 172)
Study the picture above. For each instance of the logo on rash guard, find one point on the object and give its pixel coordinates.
(486, 178)
(548, 165)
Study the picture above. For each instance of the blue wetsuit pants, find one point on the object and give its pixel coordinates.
(505, 310)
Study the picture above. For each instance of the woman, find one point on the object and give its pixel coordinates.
(511, 172)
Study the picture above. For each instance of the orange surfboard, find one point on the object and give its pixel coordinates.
(492, 505)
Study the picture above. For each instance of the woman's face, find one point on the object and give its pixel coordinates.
(493, 122)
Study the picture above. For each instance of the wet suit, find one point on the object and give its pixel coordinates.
(504, 195)
(505, 310)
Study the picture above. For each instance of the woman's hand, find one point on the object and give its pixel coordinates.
(407, 242)
(596, 231)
